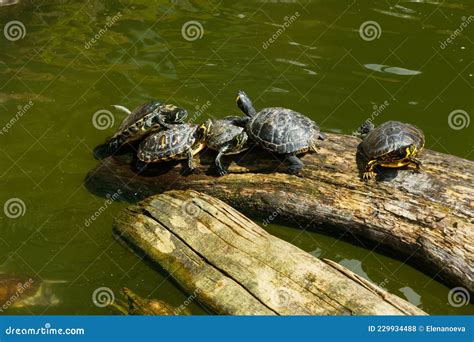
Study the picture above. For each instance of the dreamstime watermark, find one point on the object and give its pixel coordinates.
(14, 30)
(464, 23)
(190, 208)
(180, 309)
(14, 208)
(370, 30)
(110, 199)
(200, 110)
(458, 296)
(103, 119)
(109, 22)
(192, 30)
(384, 283)
(288, 21)
(21, 110)
(376, 111)
(271, 217)
(103, 296)
(21, 287)
(458, 119)
(46, 330)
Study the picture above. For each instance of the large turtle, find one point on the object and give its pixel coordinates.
(393, 144)
(143, 120)
(177, 142)
(226, 138)
(280, 130)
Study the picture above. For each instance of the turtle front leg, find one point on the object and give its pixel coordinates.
(369, 170)
(190, 159)
(221, 170)
(417, 163)
(295, 164)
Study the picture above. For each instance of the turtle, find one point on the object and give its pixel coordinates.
(177, 142)
(280, 130)
(392, 144)
(226, 138)
(143, 120)
(21, 291)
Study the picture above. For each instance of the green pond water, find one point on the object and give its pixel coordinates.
(72, 59)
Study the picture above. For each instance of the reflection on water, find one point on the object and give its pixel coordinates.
(75, 58)
(392, 70)
(411, 295)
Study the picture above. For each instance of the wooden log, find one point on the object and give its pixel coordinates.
(425, 218)
(233, 266)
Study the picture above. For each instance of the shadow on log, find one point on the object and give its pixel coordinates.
(234, 267)
(426, 218)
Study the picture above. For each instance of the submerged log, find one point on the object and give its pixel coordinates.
(233, 266)
(136, 305)
(426, 218)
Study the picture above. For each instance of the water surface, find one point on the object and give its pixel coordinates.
(73, 59)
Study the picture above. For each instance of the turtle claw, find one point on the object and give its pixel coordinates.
(294, 170)
(418, 170)
(368, 175)
(221, 171)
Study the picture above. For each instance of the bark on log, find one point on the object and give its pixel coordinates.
(427, 218)
(234, 267)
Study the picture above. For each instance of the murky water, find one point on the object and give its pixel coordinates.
(63, 61)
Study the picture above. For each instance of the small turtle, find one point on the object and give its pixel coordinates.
(178, 142)
(280, 130)
(226, 138)
(393, 144)
(142, 121)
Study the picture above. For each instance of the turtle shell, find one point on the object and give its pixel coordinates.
(168, 144)
(224, 131)
(134, 123)
(144, 120)
(138, 113)
(391, 136)
(283, 130)
(14, 288)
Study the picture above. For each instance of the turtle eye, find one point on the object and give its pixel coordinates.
(202, 129)
(403, 152)
(183, 113)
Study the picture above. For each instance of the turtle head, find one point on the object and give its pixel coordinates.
(244, 104)
(172, 114)
(400, 155)
(411, 151)
(204, 129)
